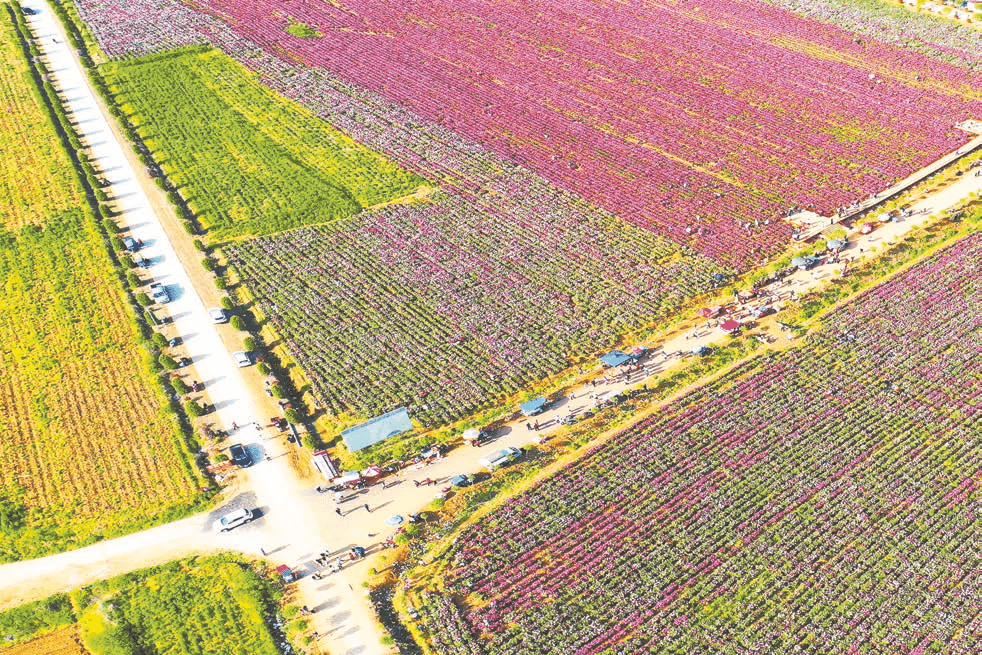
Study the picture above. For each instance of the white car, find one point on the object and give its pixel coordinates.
(159, 293)
(500, 458)
(218, 315)
(242, 358)
(233, 520)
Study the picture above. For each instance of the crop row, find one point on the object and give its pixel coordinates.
(689, 128)
(823, 500)
(87, 441)
(444, 305)
(249, 161)
(35, 174)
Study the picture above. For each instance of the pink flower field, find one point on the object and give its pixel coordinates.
(822, 500)
(690, 120)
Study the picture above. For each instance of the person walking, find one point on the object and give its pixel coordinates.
(366, 508)
(337, 510)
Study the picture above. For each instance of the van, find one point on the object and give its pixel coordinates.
(500, 458)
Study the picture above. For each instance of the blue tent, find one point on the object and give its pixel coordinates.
(533, 406)
(615, 358)
(377, 429)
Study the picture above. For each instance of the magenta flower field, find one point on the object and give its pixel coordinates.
(824, 500)
(691, 121)
(445, 305)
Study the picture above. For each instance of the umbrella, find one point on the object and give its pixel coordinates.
(705, 312)
(729, 326)
(395, 520)
(372, 472)
(835, 244)
(471, 435)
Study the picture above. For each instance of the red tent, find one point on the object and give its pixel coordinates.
(730, 325)
(709, 312)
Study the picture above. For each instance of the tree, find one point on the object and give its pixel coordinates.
(143, 299)
(208, 263)
(134, 280)
(189, 227)
(263, 368)
(220, 283)
(193, 409)
(277, 391)
(199, 246)
(110, 226)
(180, 386)
(249, 343)
(117, 244)
(159, 339)
(238, 323)
(167, 362)
(292, 416)
(226, 303)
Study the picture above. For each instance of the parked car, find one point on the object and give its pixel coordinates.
(218, 315)
(233, 520)
(500, 458)
(159, 293)
(240, 455)
(131, 244)
(462, 480)
(175, 342)
(141, 261)
(242, 358)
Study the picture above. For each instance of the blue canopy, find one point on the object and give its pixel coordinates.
(533, 406)
(377, 429)
(615, 358)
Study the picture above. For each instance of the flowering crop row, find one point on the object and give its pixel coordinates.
(897, 25)
(822, 500)
(444, 305)
(690, 127)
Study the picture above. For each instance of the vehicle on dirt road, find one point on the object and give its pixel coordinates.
(242, 358)
(239, 455)
(218, 315)
(462, 480)
(159, 293)
(500, 458)
(233, 520)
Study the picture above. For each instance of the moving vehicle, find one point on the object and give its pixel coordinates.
(240, 455)
(159, 293)
(500, 458)
(462, 480)
(233, 520)
(218, 315)
(242, 358)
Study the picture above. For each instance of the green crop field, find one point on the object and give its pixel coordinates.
(89, 447)
(192, 607)
(189, 607)
(36, 177)
(248, 161)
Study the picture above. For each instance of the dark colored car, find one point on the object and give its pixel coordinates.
(462, 480)
(239, 455)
